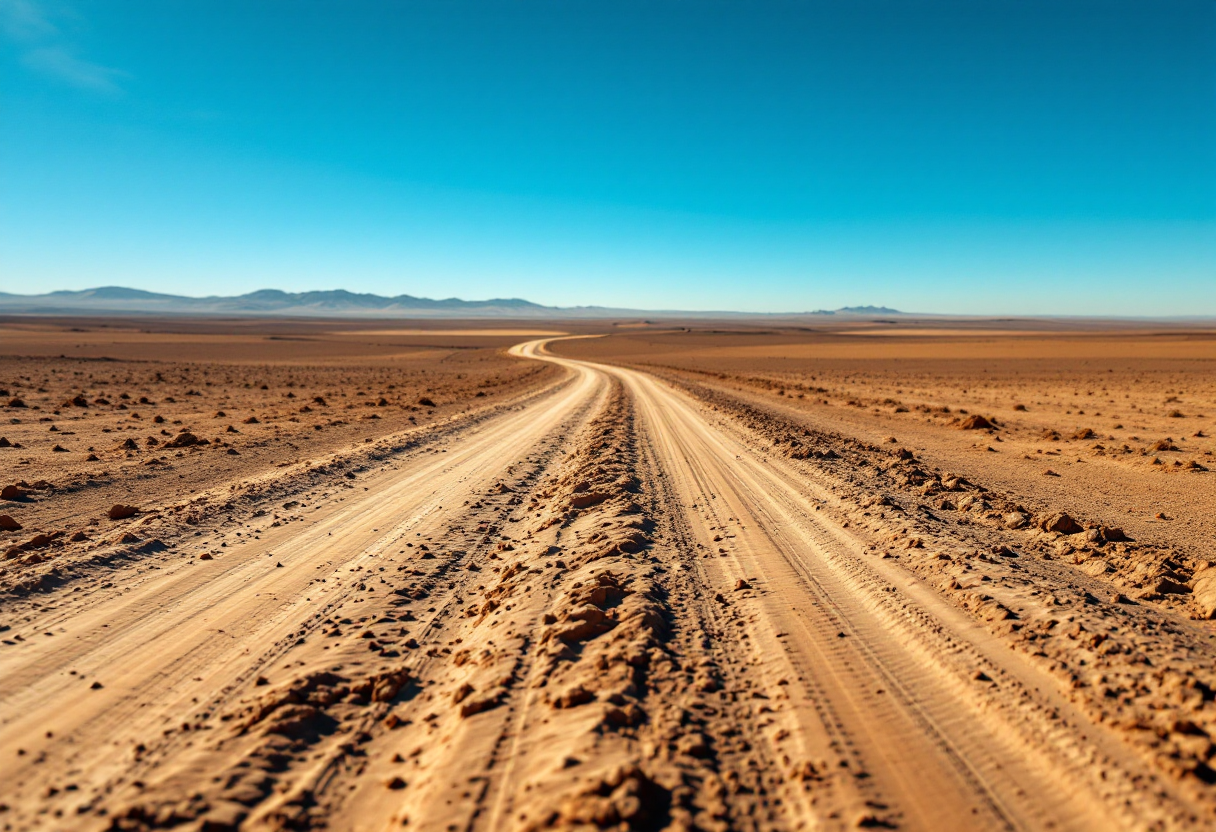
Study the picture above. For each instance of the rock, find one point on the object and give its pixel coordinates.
(15, 402)
(4, 443)
(1083, 433)
(1062, 523)
(1203, 591)
(8, 524)
(425, 401)
(205, 556)
(1105, 534)
(129, 445)
(40, 541)
(741, 585)
(1168, 586)
(575, 696)
(13, 492)
(1015, 520)
(121, 512)
(1097, 567)
(976, 422)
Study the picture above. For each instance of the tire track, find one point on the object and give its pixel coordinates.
(884, 666)
(217, 621)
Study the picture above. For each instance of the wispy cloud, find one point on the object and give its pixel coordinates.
(57, 62)
(24, 20)
(45, 50)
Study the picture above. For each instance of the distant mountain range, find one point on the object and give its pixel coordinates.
(115, 300)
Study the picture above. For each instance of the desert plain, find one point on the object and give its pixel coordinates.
(932, 574)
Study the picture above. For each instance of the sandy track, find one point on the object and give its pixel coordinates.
(170, 648)
(885, 669)
(462, 641)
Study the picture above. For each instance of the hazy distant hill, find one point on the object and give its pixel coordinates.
(115, 299)
(869, 310)
(110, 300)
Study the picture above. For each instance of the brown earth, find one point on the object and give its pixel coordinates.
(672, 578)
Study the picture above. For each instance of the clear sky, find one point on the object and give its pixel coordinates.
(978, 156)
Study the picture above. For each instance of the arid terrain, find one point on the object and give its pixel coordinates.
(858, 573)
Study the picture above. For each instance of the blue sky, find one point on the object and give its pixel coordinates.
(975, 157)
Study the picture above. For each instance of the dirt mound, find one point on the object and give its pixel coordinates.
(185, 439)
(976, 422)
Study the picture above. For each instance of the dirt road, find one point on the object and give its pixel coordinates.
(606, 605)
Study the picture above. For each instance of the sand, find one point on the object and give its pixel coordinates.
(694, 577)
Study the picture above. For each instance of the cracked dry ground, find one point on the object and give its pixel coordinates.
(618, 601)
